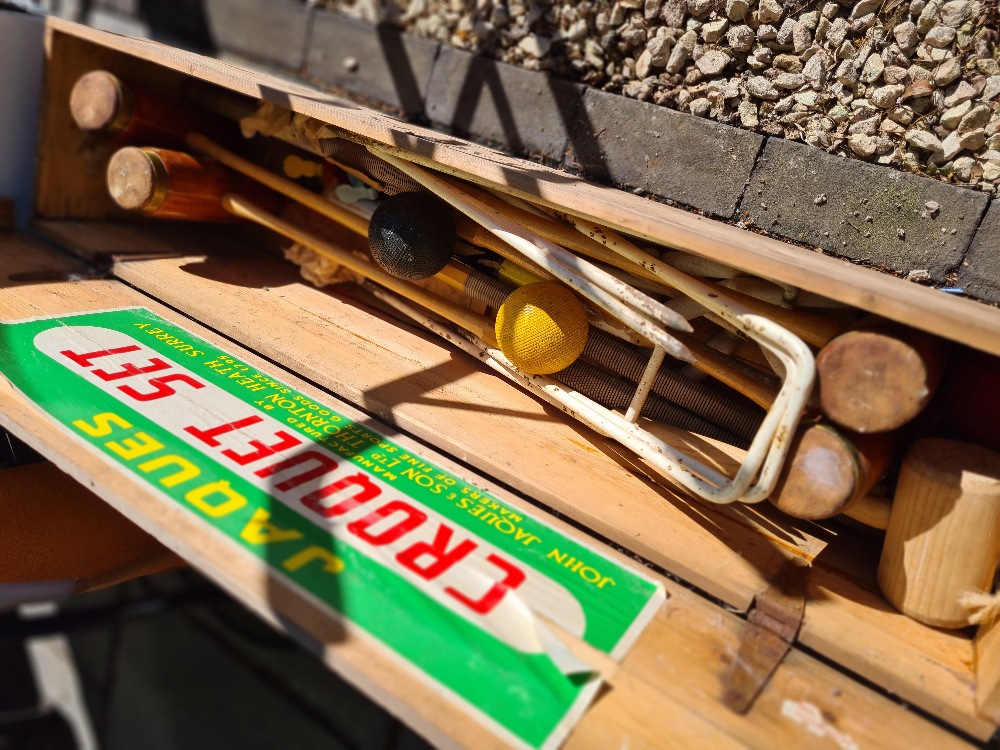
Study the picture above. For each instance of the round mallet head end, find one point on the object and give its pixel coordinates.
(542, 327)
(135, 179)
(98, 102)
(412, 235)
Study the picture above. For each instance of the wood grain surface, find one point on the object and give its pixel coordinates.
(667, 690)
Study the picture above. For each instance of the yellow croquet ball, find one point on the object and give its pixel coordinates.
(541, 327)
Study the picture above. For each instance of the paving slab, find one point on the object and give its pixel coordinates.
(274, 31)
(865, 212)
(522, 111)
(690, 160)
(379, 62)
(979, 275)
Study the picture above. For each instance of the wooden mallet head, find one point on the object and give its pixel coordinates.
(943, 538)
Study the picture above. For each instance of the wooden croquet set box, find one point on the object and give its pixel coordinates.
(487, 567)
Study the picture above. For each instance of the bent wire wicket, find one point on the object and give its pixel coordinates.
(759, 470)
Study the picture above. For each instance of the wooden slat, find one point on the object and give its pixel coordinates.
(961, 320)
(666, 691)
(416, 383)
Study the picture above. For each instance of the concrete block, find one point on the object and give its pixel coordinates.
(688, 159)
(979, 274)
(378, 62)
(523, 111)
(272, 31)
(868, 213)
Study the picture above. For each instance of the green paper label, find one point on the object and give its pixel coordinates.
(465, 588)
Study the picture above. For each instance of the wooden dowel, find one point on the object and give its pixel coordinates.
(871, 510)
(876, 379)
(943, 537)
(827, 471)
(745, 379)
(457, 314)
(202, 145)
(479, 236)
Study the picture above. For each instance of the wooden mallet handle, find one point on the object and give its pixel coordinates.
(944, 531)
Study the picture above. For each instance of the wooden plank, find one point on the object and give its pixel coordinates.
(961, 320)
(666, 690)
(418, 384)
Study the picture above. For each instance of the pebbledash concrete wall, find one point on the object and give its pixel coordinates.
(925, 229)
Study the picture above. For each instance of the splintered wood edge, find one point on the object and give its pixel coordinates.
(965, 321)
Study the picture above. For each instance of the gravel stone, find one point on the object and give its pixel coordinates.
(659, 51)
(814, 71)
(940, 36)
(955, 13)
(678, 56)
(947, 71)
(761, 88)
(801, 37)
(923, 140)
(976, 118)
(928, 18)
(713, 62)
(963, 92)
(748, 114)
(766, 33)
(770, 11)
(886, 96)
(863, 145)
(962, 168)
(736, 10)
(906, 35)
(895, 74)
(741, 38)
(837, 33)
(788, 81)
(712, 32)
(700, 8)
(952, 117)
(991, 89)
(950, 147)
(872, 70)
(536, 46)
